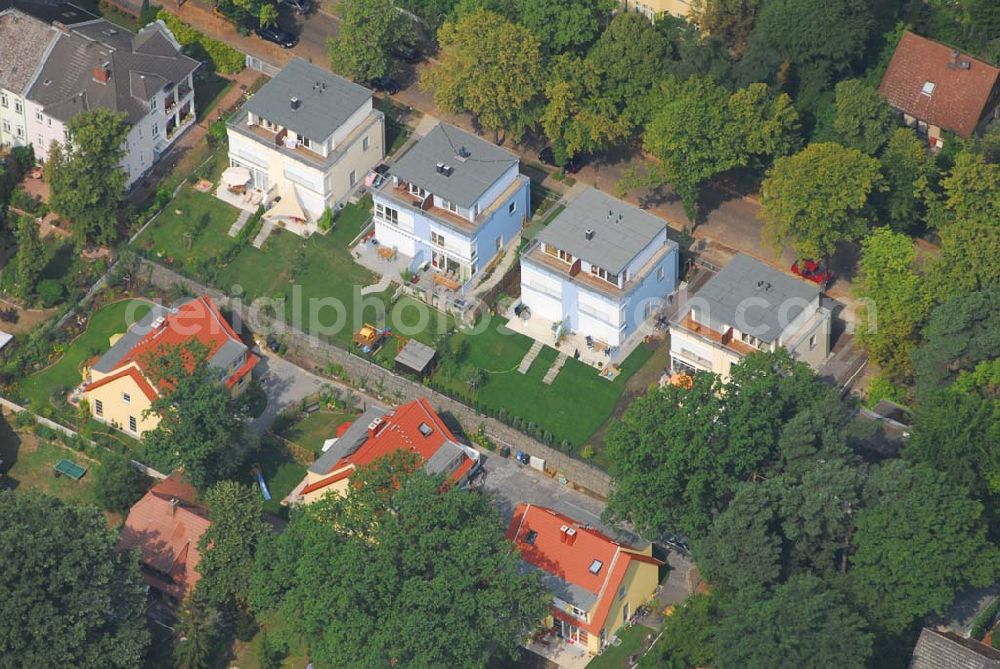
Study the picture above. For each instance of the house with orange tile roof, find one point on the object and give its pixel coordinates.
(938, 88)
(120, 386)
(413, 427)
(596, 582)
(165, 526)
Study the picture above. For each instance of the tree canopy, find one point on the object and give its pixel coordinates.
(368, 31)
(817, 198)
(70, 597)
(863, 118)
(401, 572)
(85, 175)
(564, 25)
(489, 67)
(909, 175)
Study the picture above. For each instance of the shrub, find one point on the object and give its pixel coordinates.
(24, 419)
(119, 485)
(982, 622)
(50, 292)
(587, 453)
(217, 131)
(325, 222)
(881, 388)
(223, 57)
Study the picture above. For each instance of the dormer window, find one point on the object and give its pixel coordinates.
(418, 191)
(530, 537)
(425, 429)
(559, 253)
(305, 142)
(927, 89)
(604, 274)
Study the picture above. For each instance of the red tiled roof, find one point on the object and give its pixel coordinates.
(550, 551)
(132, 372)
(960, 97)
(399, 430)
(167, 538)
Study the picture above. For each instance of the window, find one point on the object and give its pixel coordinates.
(48, 122)
(17, 106)
(928, 88)
(450, 206)
(6, 126)
(750, 339)
(132, 424)
(98, 407)
(38, 115)
(305, 142)
(156, 130)
(530, 537)
(604, 274)
(365, 143)
(812, 342)
(20, 131)
(660, 273)
(126, 398)
(40, 139)
(3, 99)
(437, 239)
(512, 207)
(352, 178)
(152, 104)
(578, 612)
(425, 429)
(387, 214)
(417, 190)
(559, 253)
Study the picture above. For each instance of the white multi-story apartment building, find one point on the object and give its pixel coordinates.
(746, 307)
(24, 42)
(308, 135)
(452, 202)
(600, 268)
(96, 64)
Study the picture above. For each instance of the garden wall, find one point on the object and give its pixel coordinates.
(318, 355)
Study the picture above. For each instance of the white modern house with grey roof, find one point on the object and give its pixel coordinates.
(97, 64)
(451, 203)
(308, 137)
(749, 306)
(599, 270)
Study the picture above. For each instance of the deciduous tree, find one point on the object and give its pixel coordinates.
(863, 118)
(118, 484)
(730, 20)
(688, 635)
(70, 597)
(919, 539)
(489, 67)
(402, 572)
(817, 198)
(564, 26)
(86, 176)
(909, 174)
(30, 258)
(368, 31)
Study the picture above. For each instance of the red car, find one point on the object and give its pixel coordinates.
(812, 271)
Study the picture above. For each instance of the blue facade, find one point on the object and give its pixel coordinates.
(503, 224)
(651, 291)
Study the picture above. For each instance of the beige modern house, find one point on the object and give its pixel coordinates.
(746, 307)
(654, 8)
(306, 139)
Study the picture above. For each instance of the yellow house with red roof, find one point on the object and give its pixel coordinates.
(597, 583)
(413, 427)
(120, 386)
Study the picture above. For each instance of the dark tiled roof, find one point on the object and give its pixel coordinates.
(944, 650)
(49, 11)
(24, 41)
(135, 74)
(939, 85)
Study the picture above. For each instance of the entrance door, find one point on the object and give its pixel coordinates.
(625, 613)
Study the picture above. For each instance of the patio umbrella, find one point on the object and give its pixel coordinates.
(288, 207)
(236, 176)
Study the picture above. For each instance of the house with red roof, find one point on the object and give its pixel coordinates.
(596, 582)
(165, 526)
(120, 386)
(413, 427)
(938, 88)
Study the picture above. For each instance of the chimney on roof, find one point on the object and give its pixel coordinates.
(295, 103)
(563, 529)
(102, 73)
(570, 536)
(174, 503)
(375, 427)
(588, 234)
(462, 154)
(954, 57)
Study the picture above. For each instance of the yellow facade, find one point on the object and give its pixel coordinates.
(640, 583)
(121, 404)
(684, 9)
(339, 487)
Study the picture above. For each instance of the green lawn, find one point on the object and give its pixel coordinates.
(317, 427)
(65, 373)
(251, 655)
(572, 408)
(202, 216)
(281, 472)
(616, 657)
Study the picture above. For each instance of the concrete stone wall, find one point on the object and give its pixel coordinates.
(317, 355)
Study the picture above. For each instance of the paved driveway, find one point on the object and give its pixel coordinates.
(284, 384)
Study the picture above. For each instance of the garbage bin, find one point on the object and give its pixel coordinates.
(505, 452)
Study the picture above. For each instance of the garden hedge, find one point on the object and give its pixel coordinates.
(224, 58)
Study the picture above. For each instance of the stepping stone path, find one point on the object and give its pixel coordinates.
(241, 221)
(264, 233)
(529, 357)
(553, 372)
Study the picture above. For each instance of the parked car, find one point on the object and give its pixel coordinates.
(282, 38)
(812, 271)
(548, 157)
(300, 6)
(385, 84)
(407, 53)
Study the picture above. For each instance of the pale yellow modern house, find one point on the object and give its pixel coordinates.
(597, 583)
(413, 427)
(651, 9)
(120, 386)
(306, 139)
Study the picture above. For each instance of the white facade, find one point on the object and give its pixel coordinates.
(13, 120)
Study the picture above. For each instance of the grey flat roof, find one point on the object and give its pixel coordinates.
(127, 342)
(443, 458)
(471, 177)
(734, 297)
(620, 230)
(320, 112)
(416, 355)
(348, 443)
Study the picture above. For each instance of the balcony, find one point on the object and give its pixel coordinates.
(721, 339)
(572, 272)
